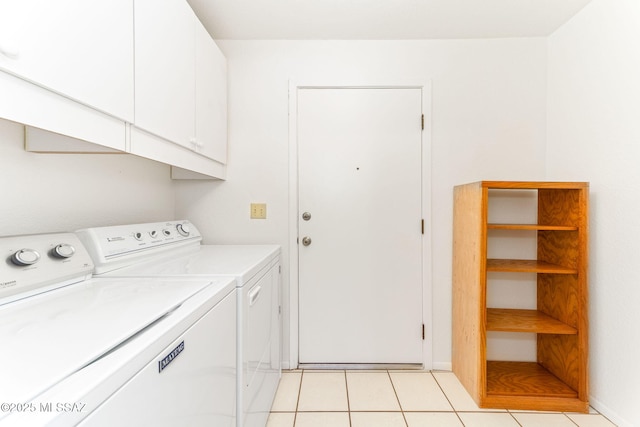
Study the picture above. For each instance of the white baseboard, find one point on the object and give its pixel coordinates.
(608, 413)
(442, 366)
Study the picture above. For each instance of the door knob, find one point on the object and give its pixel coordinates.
(306, 241)
(306, 216)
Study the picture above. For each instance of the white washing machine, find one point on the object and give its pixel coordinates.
(256, 270)
(104, 352)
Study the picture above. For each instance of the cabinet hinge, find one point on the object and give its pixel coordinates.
(423, 331)
(422, 226)
(422, 121)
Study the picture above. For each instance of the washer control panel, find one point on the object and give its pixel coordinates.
(36, 262)
(121, 245)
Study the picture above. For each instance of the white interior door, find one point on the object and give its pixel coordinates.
(360, 278)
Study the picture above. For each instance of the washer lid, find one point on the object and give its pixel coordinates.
(240, 261)
(50, 336)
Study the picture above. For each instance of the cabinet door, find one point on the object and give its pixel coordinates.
(211, 97)
(165, 69)
(77, 48)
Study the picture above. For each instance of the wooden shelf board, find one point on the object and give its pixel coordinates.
(532, 321)
(524, 379)
(534, 185)
(531, 227)
(527, 266)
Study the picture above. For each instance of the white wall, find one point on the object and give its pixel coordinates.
(64, 192)
(594, 135)
(488, 106)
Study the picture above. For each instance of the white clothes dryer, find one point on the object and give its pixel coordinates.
(256, 270)
(127, 352)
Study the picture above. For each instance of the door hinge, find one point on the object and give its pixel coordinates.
(422, 121)
(423, 331)
(422, 222)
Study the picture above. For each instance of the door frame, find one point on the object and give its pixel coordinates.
(427, 289)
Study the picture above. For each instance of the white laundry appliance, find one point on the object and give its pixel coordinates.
(256, 270)
(105, 352)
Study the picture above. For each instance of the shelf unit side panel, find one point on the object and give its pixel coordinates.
(559, 247)
(583, 296)
(469, 296)
(560, 355)
(558, 296)
(559, 207)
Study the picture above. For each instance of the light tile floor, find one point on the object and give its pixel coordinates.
(308, 398)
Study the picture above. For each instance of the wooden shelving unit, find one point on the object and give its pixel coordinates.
(558, 379)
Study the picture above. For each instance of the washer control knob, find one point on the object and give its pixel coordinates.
(183, 229)
(25, 257)
(153, 234)
(63, 250)
(166, 232)
(138, 236)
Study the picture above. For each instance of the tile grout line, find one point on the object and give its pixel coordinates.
(397, 398)
(570, 419)
(455, 411)
(346, 386)
(295, 414)
(514, 418)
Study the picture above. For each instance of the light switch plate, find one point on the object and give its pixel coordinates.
(258, 210)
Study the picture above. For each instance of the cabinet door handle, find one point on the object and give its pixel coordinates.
(254, 294)
(196, 145)
(10, 52)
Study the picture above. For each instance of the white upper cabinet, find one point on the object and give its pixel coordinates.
(211, 97)
(80, 49)
(165, 69)
(137, 76)
(180, 80)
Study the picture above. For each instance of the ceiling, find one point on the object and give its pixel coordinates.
(382, 19)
